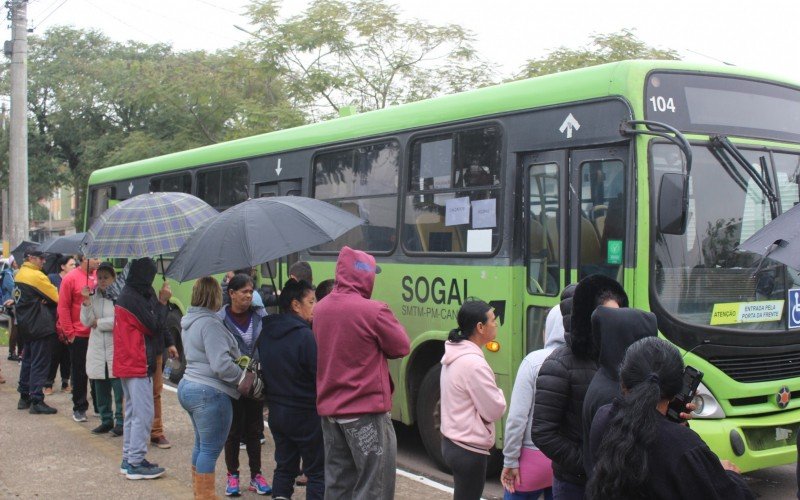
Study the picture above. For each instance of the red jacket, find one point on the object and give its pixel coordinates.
(355, 337)
(69, 302)
(130, 346)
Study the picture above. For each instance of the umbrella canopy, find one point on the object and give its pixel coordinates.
(257, 231)
(779, 240)
(69, 244)
(146, 225)
(19, 251)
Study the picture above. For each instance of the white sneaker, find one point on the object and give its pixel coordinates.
(79, 416)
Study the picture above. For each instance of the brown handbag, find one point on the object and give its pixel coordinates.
(250, 384)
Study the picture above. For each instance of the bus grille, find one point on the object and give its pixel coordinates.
(760, 368)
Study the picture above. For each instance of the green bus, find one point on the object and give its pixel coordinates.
(650, 172)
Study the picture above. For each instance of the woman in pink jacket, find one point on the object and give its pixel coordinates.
(471, 401)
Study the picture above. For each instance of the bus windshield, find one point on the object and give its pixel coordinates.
(700, 277)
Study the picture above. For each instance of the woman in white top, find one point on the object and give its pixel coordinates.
(97, 313)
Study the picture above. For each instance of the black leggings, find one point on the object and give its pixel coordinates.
(469, 470)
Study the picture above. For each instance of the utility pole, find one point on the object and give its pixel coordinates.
(18, 147)
(4, 192)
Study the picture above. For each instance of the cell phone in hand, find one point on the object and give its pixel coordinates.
(691, 380)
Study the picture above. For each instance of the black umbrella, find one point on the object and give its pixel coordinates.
(779, 240)
(257, 231)
(19, 251)
(67, 245)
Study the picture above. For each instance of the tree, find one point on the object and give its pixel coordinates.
(603, 48)
(361, 53)
(95, 103)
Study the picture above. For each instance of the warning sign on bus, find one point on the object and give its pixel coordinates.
(746, 312)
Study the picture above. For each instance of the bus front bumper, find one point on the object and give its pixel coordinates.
(755, 442)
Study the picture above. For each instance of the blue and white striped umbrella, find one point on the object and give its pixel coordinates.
(147, 225)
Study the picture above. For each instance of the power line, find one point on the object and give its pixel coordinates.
(51, 13)
(219, 7)
(123, 22)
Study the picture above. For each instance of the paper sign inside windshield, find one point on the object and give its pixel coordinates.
(747, 312)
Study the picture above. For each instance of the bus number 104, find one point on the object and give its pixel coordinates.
(662, 104)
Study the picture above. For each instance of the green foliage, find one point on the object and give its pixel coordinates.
(361, 53)
(603, 48)
(95, 102)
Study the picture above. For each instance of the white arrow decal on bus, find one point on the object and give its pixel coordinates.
(569, 125)
(278, 168)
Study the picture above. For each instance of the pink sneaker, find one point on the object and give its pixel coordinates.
(232, 488)
(260, 485)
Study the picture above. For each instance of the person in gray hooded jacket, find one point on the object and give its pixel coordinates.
(527, 472)
(209, 382)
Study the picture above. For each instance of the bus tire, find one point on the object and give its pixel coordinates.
(429, 422)
(174, 328)
(428, 417)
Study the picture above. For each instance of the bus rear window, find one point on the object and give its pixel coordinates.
(100, 199)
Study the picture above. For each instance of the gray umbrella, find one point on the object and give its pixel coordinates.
(257, 231)
(67, 245)
(19, 251)
(779, 240)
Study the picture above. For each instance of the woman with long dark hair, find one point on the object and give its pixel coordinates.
(471, 401)
(639, 452)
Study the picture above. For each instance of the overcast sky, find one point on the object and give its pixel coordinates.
(758, 35)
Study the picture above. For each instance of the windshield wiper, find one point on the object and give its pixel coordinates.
(723, 145)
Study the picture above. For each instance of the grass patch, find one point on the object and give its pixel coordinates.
(3, 337)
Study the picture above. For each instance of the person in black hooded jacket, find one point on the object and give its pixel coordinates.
(563, 379)
(614, 330)
(139, 321)
(288, 353)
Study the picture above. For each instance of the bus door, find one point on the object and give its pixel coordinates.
(599, 208)
(273, 271)
(545, 177)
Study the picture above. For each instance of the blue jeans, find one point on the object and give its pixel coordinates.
(211, 413)
(546, 493)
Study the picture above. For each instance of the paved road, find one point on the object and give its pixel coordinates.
(50, 456)
(54, 457)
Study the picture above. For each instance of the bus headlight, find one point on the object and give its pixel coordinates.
(707, 405)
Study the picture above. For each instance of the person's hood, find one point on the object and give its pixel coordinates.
(584, 302)
(355, 272)
(554, 335)
(277, 326)
(141, 275)
(614, 330)
(566, 306)
(454, 350)
(195, 314)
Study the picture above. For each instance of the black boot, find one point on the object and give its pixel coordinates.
(24, 403)
(102, 429)
(42, 408)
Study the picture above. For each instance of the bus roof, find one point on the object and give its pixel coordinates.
(620, 78)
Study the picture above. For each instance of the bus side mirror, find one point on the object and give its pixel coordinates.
(673, 204)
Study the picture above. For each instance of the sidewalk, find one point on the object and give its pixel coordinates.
(51, 456)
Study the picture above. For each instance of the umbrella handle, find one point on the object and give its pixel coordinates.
(271, 278)
(163, 273)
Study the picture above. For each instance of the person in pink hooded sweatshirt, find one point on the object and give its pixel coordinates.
(471, 401)
(355, 336)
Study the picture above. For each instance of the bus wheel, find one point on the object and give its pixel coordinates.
(174, 328)
(429, 417)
